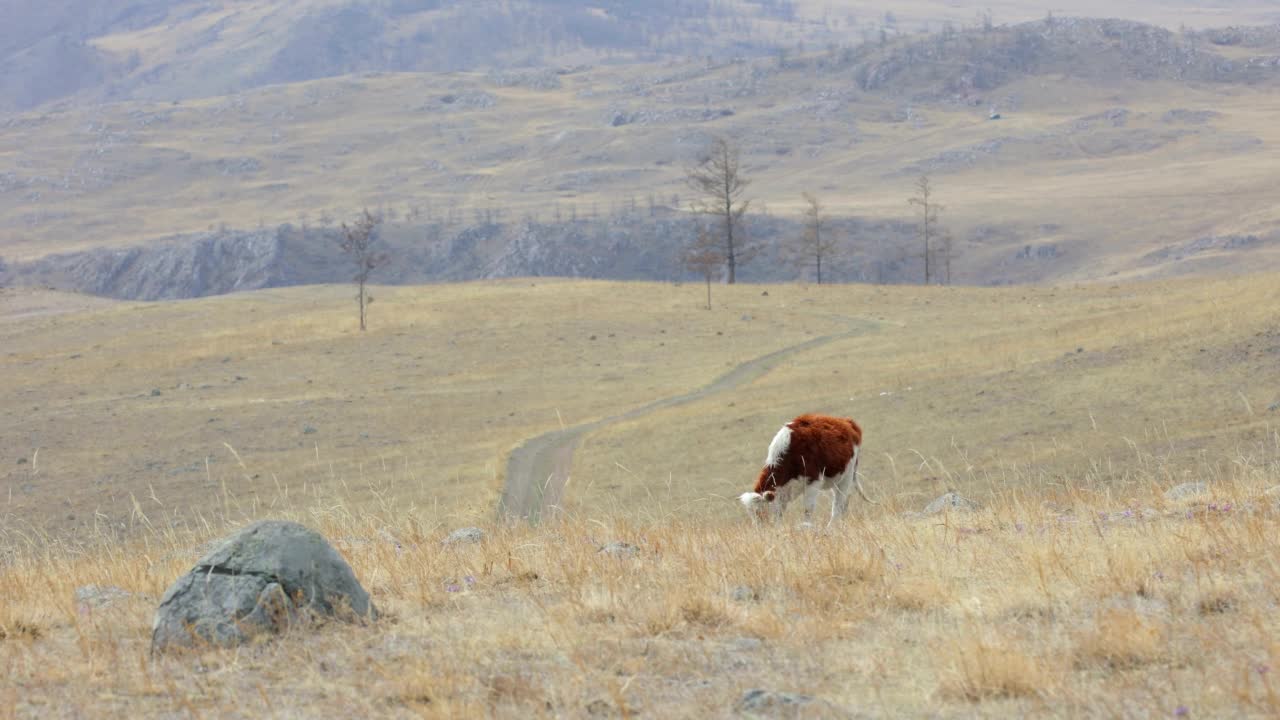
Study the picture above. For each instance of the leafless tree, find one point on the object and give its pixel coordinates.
(929, 210)
(719, 183)
(816, 243)
(705, 257)
(357, 241)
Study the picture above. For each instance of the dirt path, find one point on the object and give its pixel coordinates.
(538, 470)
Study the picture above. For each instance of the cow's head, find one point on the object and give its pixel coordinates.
(758, 504)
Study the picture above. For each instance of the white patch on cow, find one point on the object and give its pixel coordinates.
(778, 448)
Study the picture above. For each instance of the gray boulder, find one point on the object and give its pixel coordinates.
(265, 578)
(952, 501)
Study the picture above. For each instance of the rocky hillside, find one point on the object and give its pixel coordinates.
(626, 247)
(958, 65)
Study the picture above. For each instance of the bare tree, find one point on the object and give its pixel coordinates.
(719, 182)
(705, 257)
(357, 241)
(816, 243)
(929, 210)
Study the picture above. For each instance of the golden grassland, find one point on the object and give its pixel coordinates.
(1078, 589)
(1033, 606)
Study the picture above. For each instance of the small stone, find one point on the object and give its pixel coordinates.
(769, 704)
(744, 593)
(464, 536)
(950, 501)
(619, 549)
(309, 430)
(1186, 490)
(98, 597)
(155, 392)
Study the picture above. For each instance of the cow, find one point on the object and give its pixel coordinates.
(810, 453)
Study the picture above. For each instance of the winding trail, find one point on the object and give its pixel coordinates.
(538, 470)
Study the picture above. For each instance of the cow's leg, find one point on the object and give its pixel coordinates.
(844, 486)
(811, 490)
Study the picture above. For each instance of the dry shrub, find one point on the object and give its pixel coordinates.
(516, 689)
(656, 618)
(918, 594)
(1122, 639)
(703, 612)
(988, 669)
(1217, 602)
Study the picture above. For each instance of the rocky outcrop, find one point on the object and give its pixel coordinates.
(627, 245)
(195, 266)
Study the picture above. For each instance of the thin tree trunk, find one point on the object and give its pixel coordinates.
(362, 306)
(708, 292)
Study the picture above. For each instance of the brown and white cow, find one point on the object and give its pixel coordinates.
(809, 454)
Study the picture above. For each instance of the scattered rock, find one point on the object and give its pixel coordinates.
(155, 392)
(744, 593)
(464, 536)
(98, 597)
(265, 578)
(1186, 490)
(620, 549)
(309, 430)
(950, 501)
(770, 704)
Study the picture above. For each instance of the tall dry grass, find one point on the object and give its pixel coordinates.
(1044, 603)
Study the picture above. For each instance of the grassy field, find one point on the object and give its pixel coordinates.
(139, 432)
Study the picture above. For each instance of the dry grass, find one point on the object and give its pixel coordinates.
(893, 616)
(1078, 590)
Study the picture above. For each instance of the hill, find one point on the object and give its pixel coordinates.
(1089, 174)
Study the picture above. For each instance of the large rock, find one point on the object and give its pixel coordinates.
(264, 578)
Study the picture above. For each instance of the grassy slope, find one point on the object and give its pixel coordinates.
(1034, 605)
(1105, 196)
